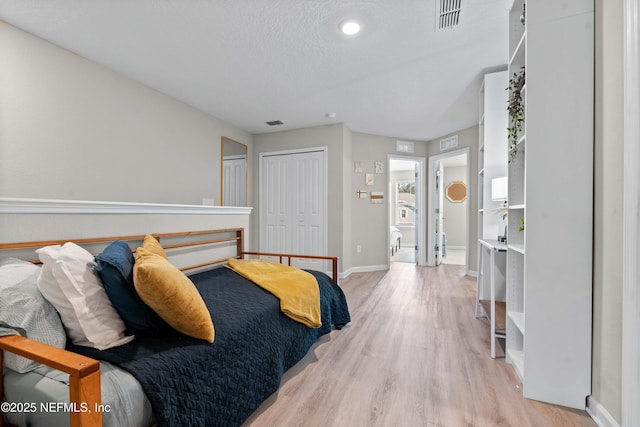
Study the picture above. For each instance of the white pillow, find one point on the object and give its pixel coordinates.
(23, 311)
(69, 281)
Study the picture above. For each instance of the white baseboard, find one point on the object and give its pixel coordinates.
(456, 247)
(363, 269)
(599, 413)
(382, 267)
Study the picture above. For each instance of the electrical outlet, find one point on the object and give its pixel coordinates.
(359, 248)
(207, 201)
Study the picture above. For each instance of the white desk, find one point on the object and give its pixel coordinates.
(490, 293)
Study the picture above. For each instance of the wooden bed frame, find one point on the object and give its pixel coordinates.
(84, 372)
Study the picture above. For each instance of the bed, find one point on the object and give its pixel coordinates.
(396, 236)
(174, 379)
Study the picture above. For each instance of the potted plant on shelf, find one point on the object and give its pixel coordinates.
(516, 112)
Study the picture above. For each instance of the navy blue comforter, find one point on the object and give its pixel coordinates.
(190, 382)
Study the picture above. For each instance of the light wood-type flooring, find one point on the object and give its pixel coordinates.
(413, 355)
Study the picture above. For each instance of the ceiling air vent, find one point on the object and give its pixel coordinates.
(448, 13)
(274, 122)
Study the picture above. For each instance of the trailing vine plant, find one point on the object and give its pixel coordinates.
(516, 112)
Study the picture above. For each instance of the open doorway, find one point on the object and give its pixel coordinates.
(455, 210)
(448, 222)
(406, 201)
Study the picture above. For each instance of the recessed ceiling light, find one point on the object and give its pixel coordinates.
(330, 115)
(350, 28)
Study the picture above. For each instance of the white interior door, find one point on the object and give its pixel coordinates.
(417, 213)
(439, 204)
(235, 181)
(293, 200)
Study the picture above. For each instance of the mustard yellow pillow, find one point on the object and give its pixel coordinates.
(170, 293)
(151, 244)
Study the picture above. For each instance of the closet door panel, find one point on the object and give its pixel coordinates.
(276, 234)
(308, 199)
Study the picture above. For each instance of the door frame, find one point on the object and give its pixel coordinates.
(631, 224)
(431, 213)
(325, 154)
(421, 240)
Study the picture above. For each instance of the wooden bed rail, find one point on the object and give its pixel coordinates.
(289, 257)
(84, 377)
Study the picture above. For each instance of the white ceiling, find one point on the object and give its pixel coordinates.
(251, 61)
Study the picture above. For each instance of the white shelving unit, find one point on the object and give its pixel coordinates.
(492, 158)
(549, 281)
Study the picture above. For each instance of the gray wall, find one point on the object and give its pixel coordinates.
(357, 222)
(466, 138)
(369, 222)
(72, 129)
(347, 198)
(608, 201)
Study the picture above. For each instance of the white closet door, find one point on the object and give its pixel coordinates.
(293, 206)
(275, 232)
(307, 197)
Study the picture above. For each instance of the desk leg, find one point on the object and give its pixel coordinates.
(480, 281)
(493, 304)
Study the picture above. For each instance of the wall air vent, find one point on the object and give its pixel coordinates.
(448, 14)
(404, 146)
(274, 123)
(448, 143)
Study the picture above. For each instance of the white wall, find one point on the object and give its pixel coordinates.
(608, 201)
(60, 226)
(72, 129)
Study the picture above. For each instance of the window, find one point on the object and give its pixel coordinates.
(405, 202)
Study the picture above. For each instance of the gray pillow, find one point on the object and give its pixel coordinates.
(24, 311)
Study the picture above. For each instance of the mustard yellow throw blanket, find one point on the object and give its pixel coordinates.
(297, 290)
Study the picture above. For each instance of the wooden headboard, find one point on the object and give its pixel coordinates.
(195, 241)
(84, 372)
(186, 239)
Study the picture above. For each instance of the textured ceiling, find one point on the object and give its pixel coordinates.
(251, 61)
